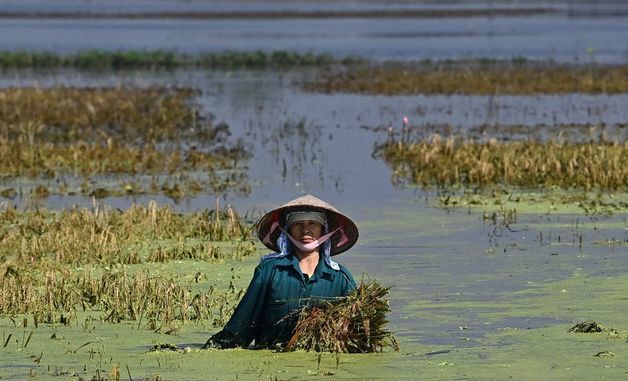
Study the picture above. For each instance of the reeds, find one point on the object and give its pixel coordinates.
(50, 160)
(443, 163)
(353, 324)
(203, 251)
(478, 78)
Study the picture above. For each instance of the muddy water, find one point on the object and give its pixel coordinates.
(323, 144)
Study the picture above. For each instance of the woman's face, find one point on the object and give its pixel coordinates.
(306, 231)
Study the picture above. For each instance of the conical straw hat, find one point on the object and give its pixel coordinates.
(335, 219)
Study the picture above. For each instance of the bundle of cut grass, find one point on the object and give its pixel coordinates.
(353, 324)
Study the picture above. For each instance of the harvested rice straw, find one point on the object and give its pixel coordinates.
(352, 324)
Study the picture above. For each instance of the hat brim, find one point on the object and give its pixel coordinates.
(335, 219)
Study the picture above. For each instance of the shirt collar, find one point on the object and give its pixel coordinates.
(292, 261)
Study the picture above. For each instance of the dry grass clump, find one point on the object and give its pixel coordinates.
(353, 324)
(56, 295)
(110, 236)
(488, 78)
(454, 163)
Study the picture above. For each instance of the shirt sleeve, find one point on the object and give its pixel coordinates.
(248, 316)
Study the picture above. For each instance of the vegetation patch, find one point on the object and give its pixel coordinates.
(62, 133)
(539, 200)
(451, 162)
(490, 11)
(55, 296)
(40, 239)
(518, 77)
(55, 264)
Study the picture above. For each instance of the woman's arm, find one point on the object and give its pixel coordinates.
(247, 318)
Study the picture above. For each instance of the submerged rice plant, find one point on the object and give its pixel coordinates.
(56, 295)
(111, 236)
(354, 324)
(73, 134)
(59, 114)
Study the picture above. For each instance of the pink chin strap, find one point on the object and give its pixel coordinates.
(308, 246)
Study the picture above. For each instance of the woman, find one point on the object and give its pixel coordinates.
(304, 233)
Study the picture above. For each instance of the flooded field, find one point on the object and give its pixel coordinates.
(486, 279)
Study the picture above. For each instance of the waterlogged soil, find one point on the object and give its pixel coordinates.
(471, 299)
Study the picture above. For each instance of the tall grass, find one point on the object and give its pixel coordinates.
(89, 133)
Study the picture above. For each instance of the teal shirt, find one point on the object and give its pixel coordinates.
(278, 288)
